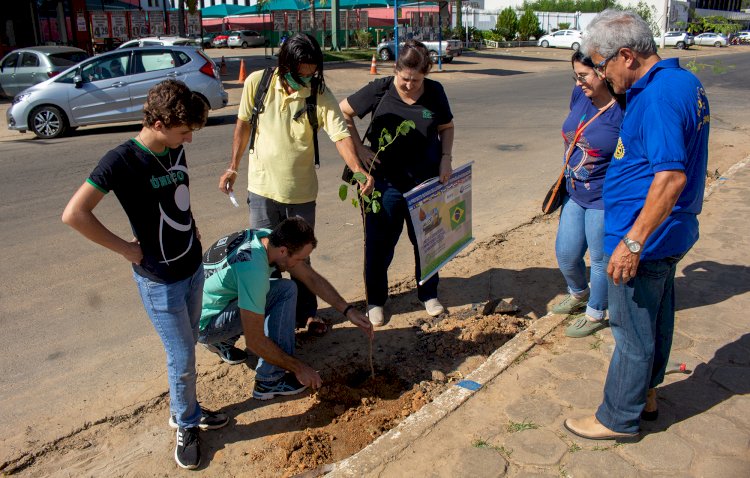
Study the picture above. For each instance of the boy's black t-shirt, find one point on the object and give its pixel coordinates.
(413, 158)
(154, 192)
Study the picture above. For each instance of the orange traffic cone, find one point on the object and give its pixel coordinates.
(243, 74)
(373, 66)
(223, 67)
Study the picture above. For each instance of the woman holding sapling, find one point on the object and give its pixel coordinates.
(422, 153)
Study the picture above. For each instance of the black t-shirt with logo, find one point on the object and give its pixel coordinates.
(413, 158)
(154, 192)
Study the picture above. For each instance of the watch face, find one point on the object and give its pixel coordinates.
(633, 246)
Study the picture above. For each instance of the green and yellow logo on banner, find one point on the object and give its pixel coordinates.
(458, 215)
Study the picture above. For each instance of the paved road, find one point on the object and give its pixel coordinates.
(76, 346)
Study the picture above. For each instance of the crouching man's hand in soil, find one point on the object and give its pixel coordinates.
(308, 376)
(360, 320)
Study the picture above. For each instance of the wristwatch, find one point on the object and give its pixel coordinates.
(633, 246)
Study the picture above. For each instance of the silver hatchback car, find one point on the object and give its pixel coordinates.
(112, 88)
(25, 67)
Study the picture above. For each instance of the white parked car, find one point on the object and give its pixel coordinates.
(679, 40)
(112, 87)
(561, 39)
(160, 41)
(711, 39)
(245, 38)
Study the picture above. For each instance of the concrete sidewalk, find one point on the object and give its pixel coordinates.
(512, 426)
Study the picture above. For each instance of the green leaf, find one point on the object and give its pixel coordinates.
(343, 191)
(366, 198)
(375, 194)
(355, 203)
(368, 209)
(375, 206)
(360, 177)
(381, 142)
(405, 127)
(388, 137)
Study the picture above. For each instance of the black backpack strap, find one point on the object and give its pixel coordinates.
(258, 104)
(311, 108)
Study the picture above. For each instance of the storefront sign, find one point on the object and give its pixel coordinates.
(119, 25)
(156, 23)
(138, 27)
(100, 25)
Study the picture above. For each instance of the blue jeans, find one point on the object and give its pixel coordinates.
(175, 310)
(281, 301)
(641, 314)
(582, 228)
(383, 231)
(267, 213)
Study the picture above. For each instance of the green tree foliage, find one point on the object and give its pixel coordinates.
(528, 24)
(569, 6)
(363, 39)
(459, 19)
(507, 24)
(648, 13)
(563, 25)
(714, 24)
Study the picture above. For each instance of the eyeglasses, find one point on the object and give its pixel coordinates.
(581, 77)
(601, 68)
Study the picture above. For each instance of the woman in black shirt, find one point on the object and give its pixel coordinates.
(421, 154)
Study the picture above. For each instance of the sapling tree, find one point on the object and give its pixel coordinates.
(369, 202)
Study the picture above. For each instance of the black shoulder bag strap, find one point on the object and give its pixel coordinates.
(258, 104)
(311, 107)
(381, 94)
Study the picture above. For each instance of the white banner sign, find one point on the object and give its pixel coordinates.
(119, 25)
(100, 25)
(156, 23)
(138, 26)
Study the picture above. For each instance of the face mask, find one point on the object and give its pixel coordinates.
(293, 83)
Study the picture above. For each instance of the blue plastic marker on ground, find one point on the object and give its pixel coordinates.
(469, 385)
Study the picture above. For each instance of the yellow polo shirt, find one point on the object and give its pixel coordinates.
(282, 165)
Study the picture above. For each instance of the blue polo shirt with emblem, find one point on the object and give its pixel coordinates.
(665, 128)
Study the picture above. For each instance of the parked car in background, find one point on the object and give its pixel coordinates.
(711, 39)
(160, 41)
(207, 39)
(220, 40)
(26, 67)
(111, 88)
(449, 49)
(744, 36)
(679, 40)
(561, 39)
(245, 38)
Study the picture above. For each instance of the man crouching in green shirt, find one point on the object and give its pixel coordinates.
(239, 297)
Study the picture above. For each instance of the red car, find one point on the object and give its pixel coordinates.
(220, 40)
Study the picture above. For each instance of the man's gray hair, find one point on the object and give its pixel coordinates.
(614, 29)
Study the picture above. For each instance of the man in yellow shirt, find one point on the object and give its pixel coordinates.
(282, 181)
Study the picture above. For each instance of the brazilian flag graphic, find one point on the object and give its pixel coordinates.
(458, 215)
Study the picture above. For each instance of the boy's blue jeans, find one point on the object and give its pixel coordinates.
(175, 310)
(641, 315)
(281, 302)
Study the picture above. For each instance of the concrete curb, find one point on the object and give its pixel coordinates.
(388, 446)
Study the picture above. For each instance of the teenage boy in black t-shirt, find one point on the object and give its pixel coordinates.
(149, 176)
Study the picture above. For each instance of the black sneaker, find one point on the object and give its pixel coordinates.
(227, 351)
(209, 420)
(187, 453)
(286, 385)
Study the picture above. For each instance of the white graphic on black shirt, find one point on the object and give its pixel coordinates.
(182, 201)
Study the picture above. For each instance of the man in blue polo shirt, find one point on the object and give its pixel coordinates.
(653, 193)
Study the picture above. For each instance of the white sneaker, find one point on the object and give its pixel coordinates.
(434, 307)
(376, 315)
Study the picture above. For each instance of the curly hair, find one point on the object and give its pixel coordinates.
(172, 103)
(294, 233)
